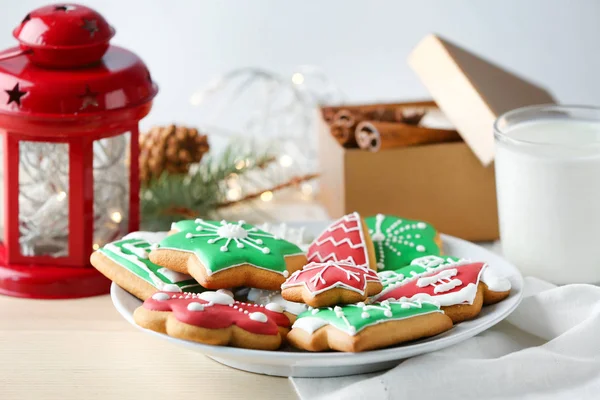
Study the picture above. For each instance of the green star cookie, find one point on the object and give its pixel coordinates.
(223, 245)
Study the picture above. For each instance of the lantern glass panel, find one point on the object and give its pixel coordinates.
(44, 199)
(111, 188)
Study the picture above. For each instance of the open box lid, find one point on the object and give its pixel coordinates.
(470, 91)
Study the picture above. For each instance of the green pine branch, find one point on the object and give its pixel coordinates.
(173, 197)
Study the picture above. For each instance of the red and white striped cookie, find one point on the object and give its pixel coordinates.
(347, 239)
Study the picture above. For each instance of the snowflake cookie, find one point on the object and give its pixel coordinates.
(346, 239)
(461, 287)
(224, 254)
(214, 318)
(126, 263)
(330, 283)
(398, 241)
(360, 327)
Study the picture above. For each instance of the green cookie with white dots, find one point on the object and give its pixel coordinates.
(398, 241)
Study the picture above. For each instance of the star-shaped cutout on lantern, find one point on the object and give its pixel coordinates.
(64, 7)
(89, 98)
(90, 25)
(15, 94)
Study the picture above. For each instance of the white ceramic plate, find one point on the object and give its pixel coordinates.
(290, 362)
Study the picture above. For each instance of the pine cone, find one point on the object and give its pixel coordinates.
(170, 148)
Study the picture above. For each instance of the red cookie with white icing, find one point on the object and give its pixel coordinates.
(214, 318)
(347, 239)
(324, 284)
(461, 288)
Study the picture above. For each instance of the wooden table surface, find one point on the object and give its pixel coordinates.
(82, 349)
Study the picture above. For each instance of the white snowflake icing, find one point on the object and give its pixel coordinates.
(231, 233)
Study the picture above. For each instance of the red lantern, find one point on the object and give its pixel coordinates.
(69, 110)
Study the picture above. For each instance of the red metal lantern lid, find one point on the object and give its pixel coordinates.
(63, 25)
(45, 77)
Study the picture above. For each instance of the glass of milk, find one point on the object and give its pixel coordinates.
(548, 183)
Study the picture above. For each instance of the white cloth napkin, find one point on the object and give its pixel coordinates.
(548, 348)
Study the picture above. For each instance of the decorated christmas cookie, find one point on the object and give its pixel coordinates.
(361, 327)
(461, 287)
(398, 241)
(330, 283)
(214, 318)
(126, 263)
(346, 239)
(264, 297)
(225, 254)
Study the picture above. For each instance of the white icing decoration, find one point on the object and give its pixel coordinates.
(170, 287)
(378, 236)
(195, 306)
(318, 277)
(174, 276)
(139, 252)
(428, 261)
(274, 307)
(442, 281)
(420, 248)
(309, 324)
(161, 296)
(494, 282)
(217, 298)
(150, 237)
(365, 315)
(264, 297)
(226, 292)
(258, 316)
(230, 232)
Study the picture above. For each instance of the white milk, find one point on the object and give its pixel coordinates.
(549, 198)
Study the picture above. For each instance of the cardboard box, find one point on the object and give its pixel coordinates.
(450, 185)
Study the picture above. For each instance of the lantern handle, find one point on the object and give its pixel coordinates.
(14, 53)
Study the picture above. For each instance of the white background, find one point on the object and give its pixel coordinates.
(363, 45)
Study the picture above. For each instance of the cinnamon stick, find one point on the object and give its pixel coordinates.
(345, 121)
(375, 135)
(343, 127)
(331, 110)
